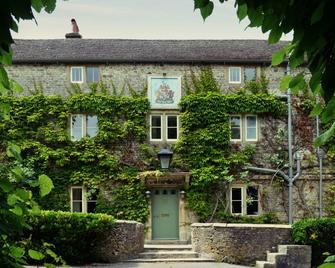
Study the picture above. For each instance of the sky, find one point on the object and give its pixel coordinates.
(139, 19)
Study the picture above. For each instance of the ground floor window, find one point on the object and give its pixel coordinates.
(244, 200)
(83, 200)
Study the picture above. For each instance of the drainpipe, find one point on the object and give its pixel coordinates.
(320, 158)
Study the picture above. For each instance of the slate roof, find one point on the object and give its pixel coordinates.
(142, 51)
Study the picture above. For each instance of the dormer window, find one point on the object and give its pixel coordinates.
(80, 74)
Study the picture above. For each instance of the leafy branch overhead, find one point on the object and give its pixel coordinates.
(313, 44)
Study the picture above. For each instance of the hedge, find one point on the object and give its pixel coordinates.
(319, 233)
(74, 235)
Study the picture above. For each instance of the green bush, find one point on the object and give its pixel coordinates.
(265, 218)
(74, 235)
(319, 233)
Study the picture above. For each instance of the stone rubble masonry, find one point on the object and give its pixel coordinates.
(124, 242)
(238, 243)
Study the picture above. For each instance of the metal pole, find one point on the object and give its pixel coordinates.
(320, 158)
(290, 155)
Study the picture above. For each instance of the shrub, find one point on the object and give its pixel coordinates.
(318, 233)
(74, 235)
(265, 218)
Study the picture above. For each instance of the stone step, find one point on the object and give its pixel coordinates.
(265, 264)
(167, 247)
(166, 242)
(172, 260)
(169, 254)
(276, 257)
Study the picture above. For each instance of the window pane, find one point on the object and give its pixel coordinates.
(77, 194)
(252, 208)
(76, 74)
(77, 207)
(156, 133)
(236, 193)
(92, 125)
(92, 74)
(252, 192)
(236, 206)
(76, 127)
(156, 121)
(234, 74)
(172, 133)
(235, 134)
(251, 121)
(235, 122)
(249, 74)
(251, 134)
(172, 121)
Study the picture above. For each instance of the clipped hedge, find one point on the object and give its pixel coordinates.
(74, 235)
(318, 233)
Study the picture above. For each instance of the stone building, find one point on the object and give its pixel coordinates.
(160, 67)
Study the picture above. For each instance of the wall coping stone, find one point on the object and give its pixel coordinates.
(241, 225)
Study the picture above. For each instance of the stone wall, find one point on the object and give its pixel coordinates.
(238, 243)
(124, 242)
(55, 78)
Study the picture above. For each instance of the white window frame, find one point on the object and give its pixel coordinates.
(240, 73)
(96, 67)
(82, 74)
(83, 198)
(241, 124)
(246, 127)
(166, 126)
(83, 126)
(162, 126)
(244, 199)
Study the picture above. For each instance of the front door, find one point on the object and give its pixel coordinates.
(165, 214)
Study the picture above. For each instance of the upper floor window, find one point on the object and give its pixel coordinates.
(164, 127)
(249, 74)
(82, 200)
(244, 200)
(243, 128)
(89, 74)
(77, 75)
(235, 75)
(83, 125)
(92, 74)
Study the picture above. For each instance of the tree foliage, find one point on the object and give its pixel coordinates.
(313, 44)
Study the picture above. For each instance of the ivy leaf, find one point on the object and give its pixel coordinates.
(327, 265)
(275, 35)
(330, 259)
(323, 138)
(207, 10)
(23, 194)
(317, 14)
(242, 11)
(36, 255)
(317, 109)
(17, 210)
(5, 185)
(284, 83)
(297, 83)
(278, 57)
(49, 5)
(37, 5)
(16, 252)
(15, 86)
(200, 3)
(46, 184)
(14, 150)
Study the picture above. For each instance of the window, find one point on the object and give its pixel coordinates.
(164, 127)
(77, 75)
(92, 74)
(251, 127)
(172, 127)
(244, 200)
(249, 74)
(235, 127)
(82, 200)
(156, 127)
(235, 75)
(83, 126)
(249, 131)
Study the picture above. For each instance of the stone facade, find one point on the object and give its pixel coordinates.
(124, 242)
(55, 78)
(238, 243)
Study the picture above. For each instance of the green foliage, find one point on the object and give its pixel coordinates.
(329, 200)
(257, 86)
(70, 233)
(319, 233)
(265, 218)
(206, 149)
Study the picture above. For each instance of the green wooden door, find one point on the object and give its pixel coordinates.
(165, 214)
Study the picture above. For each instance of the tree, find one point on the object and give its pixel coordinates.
(16, 198)
(313, 25)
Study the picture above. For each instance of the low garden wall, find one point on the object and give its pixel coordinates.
(123, 242)
(238, 243)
